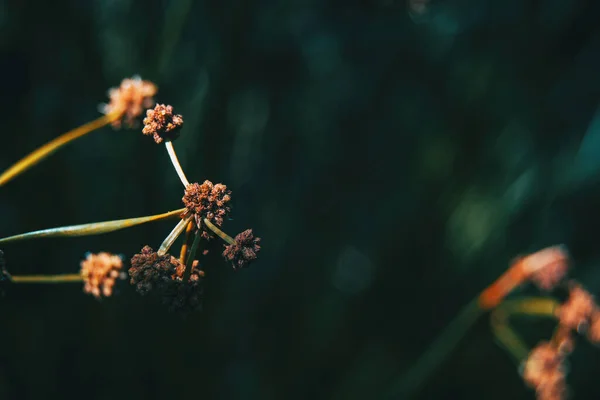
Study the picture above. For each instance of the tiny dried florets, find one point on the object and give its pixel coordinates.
(164, 276)
(130, 98)
(244, 250)
(150, 271)
(544, 371)
(548, 267)
(162, 124)
(208, 201)
(100, 273)
(576, 313)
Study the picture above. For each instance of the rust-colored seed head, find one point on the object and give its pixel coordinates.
(577, 311)
(163, 275)
(162, 124)
(244, 250)
(543, 370)
(130, 98)
(208, 201)
(100, 273)
(547, 267)
(149, 271)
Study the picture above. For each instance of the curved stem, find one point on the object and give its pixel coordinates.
(91, 229)
(38, 155)
(172, 237)
(175, 162)
(46, 278)
(219, 232)
(408, 385)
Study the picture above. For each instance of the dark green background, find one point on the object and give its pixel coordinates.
(393, 164)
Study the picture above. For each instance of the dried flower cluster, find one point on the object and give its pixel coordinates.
(130, 99)
(100, 273)
(544, 371)
(244, 250)
(162, 124)
(163, 276)
(208, 201)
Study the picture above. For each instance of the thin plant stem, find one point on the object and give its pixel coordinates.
(219, 232)
(175, 233)
(41, 153)
(190, 259)
(91, 229)
(184, 246)
(407, 386)
(46, 278)
(175, 162)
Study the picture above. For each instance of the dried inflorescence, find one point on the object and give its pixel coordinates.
(130, 99)
(244, 250)
(100, 273)
(162, 124)
(576, 313)
(544, 371)
(548, 267)
(163, 275)
(208, 201)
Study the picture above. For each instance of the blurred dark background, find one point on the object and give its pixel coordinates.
(394, 156)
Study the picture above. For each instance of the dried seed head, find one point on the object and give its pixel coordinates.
(543, 370)
(130, 98)
(593, 332)
(149, 271)
(100, 273)
(547, 267)
(162, 124)
(163, 276)
(207, 201)
(577, 311)
(244, 250)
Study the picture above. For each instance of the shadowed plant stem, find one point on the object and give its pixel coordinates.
(38, 155)
(190, 258)
(175, 162)
(219, 232)
(408, 385)
(46, 278)
(184, 246)
(95, 228)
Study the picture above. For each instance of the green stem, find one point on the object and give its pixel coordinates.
(91, 229)
(46, 278)
(172, 237)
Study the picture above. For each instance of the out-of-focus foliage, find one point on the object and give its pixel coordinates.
(394, 157)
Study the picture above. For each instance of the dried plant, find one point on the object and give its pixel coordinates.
(543, 367)
(178, 281)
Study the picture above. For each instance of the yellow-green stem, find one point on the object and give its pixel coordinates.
(46, 278)
(172, 237)
(219, 232)
(39, 154)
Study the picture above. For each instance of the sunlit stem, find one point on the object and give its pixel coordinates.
(175, 162)
(191, 256)
(408, 385)
(172, 237)
(184, 246)
(528, 307)
(219, 232)
(91, 229)
(46, 278)
(38, 155)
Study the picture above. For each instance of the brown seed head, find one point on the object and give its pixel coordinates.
(244, 250)
(163, 275)
(593, 332)
(543, 370)
(207, 201)
(130, 98)
(100, 273)
(577, 311)
(162, 124)
(547, 267)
